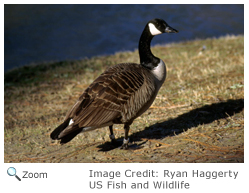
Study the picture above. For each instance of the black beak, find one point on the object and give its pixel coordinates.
(170, 30)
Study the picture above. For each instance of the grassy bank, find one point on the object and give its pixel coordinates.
(198, 115)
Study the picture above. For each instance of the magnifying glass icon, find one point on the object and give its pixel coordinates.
(12, 172)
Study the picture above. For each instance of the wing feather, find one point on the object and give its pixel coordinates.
(109, 96)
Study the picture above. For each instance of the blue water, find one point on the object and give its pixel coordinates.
(42, 33)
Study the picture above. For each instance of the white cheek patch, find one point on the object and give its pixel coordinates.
(153, 30)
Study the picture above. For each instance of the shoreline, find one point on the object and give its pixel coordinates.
(33, 64)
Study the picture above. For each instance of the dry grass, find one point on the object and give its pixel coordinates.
(198, 115)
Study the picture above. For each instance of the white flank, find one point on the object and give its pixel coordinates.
(71, 122)
(153, 30)
(90, 128)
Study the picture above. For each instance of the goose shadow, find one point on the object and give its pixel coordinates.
(202, 115)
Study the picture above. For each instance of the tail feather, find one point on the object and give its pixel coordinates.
(59, 129)
(70, 136)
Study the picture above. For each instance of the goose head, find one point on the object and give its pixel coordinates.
(159, 26)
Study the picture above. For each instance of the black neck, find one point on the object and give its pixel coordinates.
(147, 59)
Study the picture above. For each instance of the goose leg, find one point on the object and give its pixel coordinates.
(126, 139)
(112, 136)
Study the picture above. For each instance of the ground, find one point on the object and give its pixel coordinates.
(198, 115)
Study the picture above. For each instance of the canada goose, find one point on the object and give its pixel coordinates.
(120, 94)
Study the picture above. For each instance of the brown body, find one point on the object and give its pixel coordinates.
(118, 96)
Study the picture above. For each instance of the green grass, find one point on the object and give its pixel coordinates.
(198, 115)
